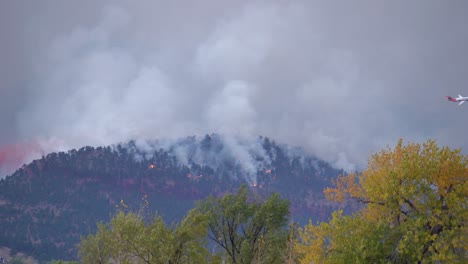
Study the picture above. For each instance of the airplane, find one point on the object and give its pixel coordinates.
(459, 99)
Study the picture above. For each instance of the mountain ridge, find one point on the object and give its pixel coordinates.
(47, 205)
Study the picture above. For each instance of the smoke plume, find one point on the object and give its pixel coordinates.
(342, 80)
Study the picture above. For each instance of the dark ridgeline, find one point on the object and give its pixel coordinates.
(48, 204)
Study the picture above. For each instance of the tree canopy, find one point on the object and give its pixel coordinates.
(414, 210)
(248, 230)
(127, 239)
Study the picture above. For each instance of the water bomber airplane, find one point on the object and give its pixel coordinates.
(460, 99)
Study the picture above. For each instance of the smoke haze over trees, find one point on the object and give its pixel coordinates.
(341, 80)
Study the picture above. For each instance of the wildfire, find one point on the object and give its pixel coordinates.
(268, 171)
(152, 166)
(254, 184)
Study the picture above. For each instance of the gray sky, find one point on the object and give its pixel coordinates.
(341, 78)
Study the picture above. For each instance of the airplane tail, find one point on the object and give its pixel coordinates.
(451, 99)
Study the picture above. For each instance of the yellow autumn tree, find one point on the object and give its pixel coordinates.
(415, 210)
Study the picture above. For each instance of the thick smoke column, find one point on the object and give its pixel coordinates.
(342, 81)
(216, 151)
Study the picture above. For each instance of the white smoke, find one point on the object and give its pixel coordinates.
(231, 111)
(215, 151)
(342, 81)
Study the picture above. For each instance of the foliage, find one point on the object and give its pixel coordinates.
(415, 211)
(47, 205)
(16, 260)
(248, 231)
(62, 262)
(344, 239)
(127, 239)
(292, 256)
(19, 259)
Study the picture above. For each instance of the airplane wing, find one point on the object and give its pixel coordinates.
(461, 102)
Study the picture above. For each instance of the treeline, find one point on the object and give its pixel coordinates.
(414, 210)
(47, 205)
(238, 228)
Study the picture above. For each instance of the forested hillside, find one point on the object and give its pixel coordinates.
(47, 205)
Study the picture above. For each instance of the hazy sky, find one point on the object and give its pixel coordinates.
(341, 78)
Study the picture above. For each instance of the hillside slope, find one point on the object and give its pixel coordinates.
(48, 204)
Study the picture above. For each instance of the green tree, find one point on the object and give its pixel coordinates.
(415, 210)
(248, 230)
(17, 260)
(62, 262)
(127, 239)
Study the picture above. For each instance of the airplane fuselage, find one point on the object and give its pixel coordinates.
(460, 99)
